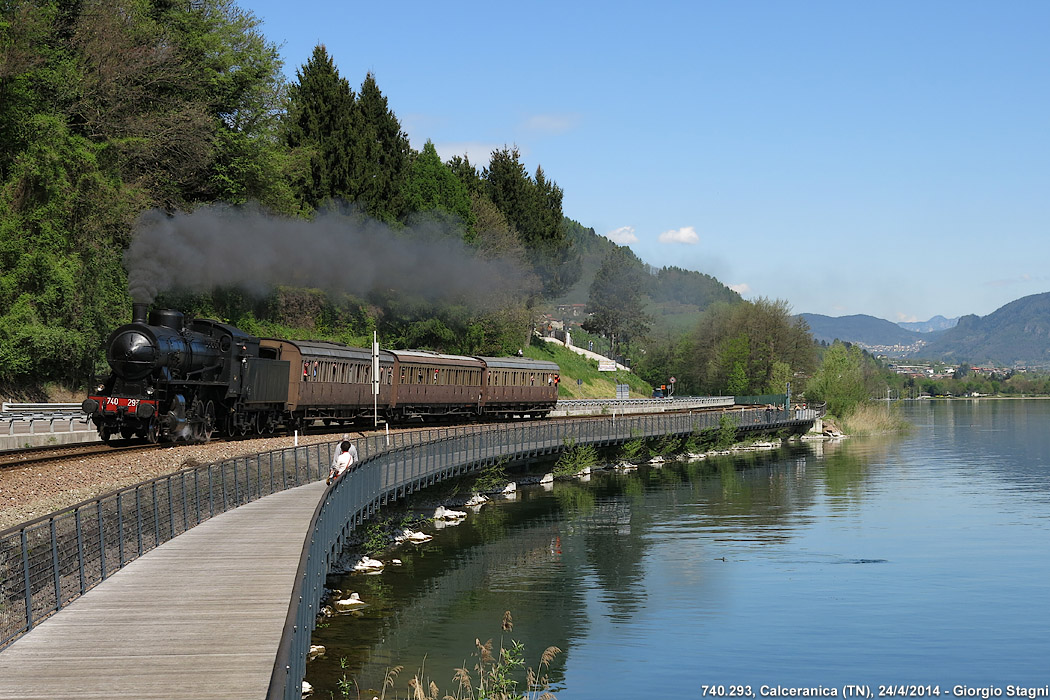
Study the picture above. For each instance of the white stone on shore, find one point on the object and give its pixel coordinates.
(368, 564)
(510, 488)
(308, 689)
(443, 513)
(351, 603)
(548, 478)
(415, 537)
(316, 652)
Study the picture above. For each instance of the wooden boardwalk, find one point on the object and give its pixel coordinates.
(199, 617)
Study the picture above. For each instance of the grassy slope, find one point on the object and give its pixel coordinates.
(595, 384)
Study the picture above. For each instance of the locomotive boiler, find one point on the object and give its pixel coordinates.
(172, 380)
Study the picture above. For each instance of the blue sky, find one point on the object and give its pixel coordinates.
(887, 158)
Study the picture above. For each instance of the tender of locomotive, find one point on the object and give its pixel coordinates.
(173, 380)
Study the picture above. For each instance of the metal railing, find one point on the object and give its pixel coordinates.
(8, 407)
(673, 403)
(390, 475)
(48, 562)
(53, 422)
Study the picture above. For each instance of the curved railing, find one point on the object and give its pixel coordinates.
(396, 473)
(48, 562)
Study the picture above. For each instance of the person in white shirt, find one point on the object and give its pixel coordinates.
(345, 457)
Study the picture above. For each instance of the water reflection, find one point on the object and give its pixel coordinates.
(820, 563)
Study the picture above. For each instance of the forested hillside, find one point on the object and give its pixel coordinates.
(153, 150)
(160, 139)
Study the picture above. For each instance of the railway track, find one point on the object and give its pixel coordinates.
(38, 455)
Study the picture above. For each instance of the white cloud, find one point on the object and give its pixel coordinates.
(552, 123)
(623, 235)
(742, 289)
(906, 318)
(686, 234)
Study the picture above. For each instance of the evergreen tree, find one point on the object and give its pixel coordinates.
(321, 124)
(432, 186)
(616, 305)
(467, 174)
(380, 158)
(533, 208)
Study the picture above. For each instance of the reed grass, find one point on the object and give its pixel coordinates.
(871, 418)
(496, 675)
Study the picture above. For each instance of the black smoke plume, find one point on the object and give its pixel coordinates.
(221, 246)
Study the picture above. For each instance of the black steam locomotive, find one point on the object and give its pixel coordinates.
(173, 380)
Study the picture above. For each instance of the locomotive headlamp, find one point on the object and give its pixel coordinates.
(149, 391)
(100, 388)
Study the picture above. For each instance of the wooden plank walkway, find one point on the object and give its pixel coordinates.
(199, 617)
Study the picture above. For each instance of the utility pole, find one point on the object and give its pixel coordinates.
(375, 379)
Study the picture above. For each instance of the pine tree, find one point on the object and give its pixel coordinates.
(432, 186)
(533, 208)
(380, 157)
(616, 304)
(320, 124)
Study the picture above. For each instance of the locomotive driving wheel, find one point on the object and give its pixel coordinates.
(153, 431)
(208, 426)
(197, 421)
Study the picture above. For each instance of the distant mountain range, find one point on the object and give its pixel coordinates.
(862, 329)
(937, 323)
(1015, 334)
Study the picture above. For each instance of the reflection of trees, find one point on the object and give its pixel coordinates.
(543, 557)
(614, 549)
(504, 558)
(574, 500)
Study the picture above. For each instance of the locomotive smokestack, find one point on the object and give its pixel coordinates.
(138, 312)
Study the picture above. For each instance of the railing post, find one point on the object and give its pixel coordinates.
(156, 515)
(222, 484)
(101, 539)
(28, 583)
(80, 550)
(171, 510)
(120, 527)
(138, 519)
(56, 571)
(185, 503)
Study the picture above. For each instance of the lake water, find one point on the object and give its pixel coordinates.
(918, 559)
